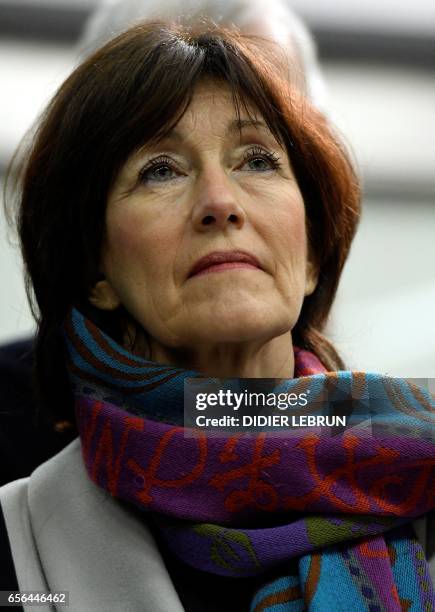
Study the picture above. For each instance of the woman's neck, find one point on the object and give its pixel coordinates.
(271, 358)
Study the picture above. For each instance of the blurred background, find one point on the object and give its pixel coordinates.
(378, 59)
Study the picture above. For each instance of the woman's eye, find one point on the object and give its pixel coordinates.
(260, 160)
(159, 170)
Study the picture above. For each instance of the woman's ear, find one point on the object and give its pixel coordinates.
(311, 277)
(103, 296)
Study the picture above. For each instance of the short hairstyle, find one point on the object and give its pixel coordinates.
(131, 92)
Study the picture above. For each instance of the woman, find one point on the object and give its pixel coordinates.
(185, 213)
(114, 16)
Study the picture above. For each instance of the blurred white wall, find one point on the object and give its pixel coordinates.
(387, 116)
(383, 317)
(29, 75)
(375, 15)
(15, 318)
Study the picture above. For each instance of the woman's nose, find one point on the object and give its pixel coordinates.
(216, 202)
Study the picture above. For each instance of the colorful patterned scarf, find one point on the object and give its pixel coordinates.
(337, 507)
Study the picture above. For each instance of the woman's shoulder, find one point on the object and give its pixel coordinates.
(18, 512)
(18, 548)
(11, 494)
(58, 509)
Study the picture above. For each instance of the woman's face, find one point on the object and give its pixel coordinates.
(205, 188)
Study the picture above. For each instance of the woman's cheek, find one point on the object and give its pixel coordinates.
(126, 231)
(289, 226)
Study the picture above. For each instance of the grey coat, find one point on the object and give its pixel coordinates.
(66, 533)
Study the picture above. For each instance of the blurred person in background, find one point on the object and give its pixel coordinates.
(125, 191)
(279, 23)
(26, 439)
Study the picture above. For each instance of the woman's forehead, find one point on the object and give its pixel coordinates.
(218, 109)
(219, 97)
(233, 126)
(214, 109)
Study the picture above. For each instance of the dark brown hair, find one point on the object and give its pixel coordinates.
(133, 91)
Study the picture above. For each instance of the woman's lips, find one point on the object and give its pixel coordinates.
(226, 266)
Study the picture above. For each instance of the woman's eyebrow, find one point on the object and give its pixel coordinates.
(236, 125)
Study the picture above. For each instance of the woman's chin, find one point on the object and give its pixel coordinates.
(238, 326)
